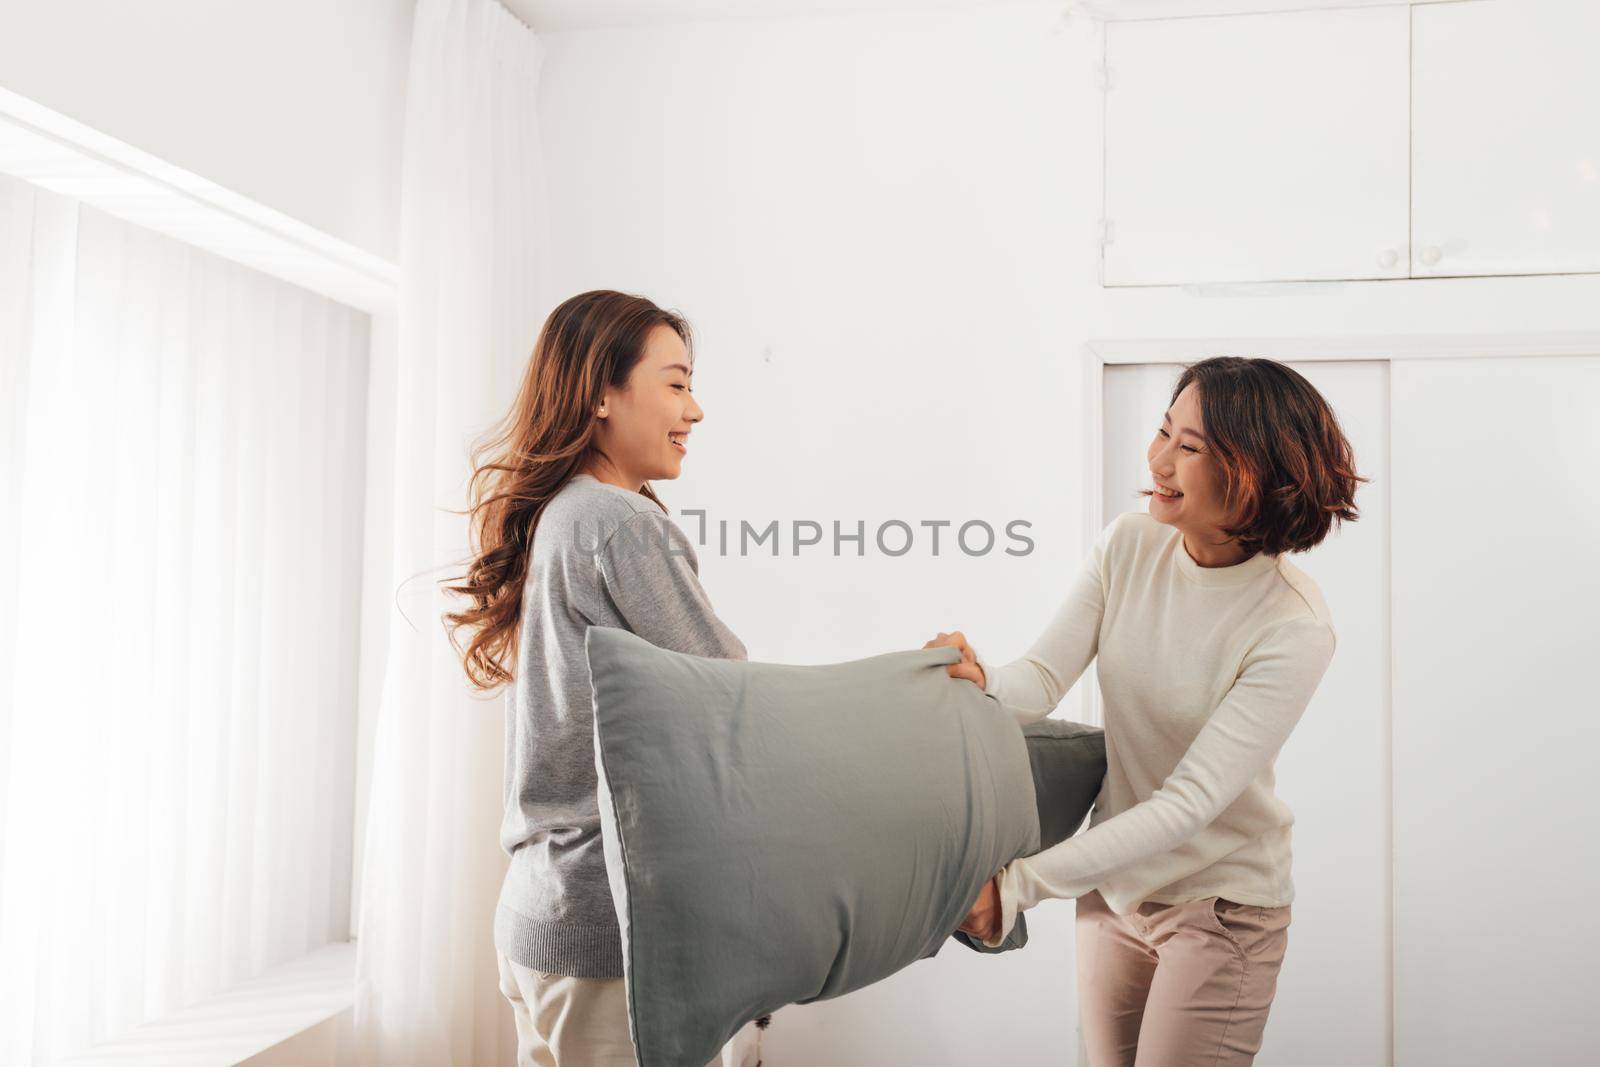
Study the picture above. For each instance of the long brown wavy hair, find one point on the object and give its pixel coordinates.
(590, 343)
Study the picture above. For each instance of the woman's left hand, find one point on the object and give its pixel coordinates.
(983, 921)
(968, 667)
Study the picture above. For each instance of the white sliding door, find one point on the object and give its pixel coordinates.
(1496, 629)
(1332, 1005)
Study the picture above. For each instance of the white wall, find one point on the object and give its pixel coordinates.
(296, 104)
(883, 227)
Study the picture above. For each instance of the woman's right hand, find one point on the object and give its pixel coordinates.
(968, 667)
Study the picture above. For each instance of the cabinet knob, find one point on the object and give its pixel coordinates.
(1431, 255)
(1388, 258)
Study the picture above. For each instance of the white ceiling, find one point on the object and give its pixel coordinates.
(590, 14)
(551, 15)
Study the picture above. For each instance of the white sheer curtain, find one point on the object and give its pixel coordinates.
(471, 301)
(181, 489)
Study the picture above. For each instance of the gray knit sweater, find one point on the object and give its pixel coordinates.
(602, 556)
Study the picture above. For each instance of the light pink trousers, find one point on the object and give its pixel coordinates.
(583, 1022)
(1177, 985)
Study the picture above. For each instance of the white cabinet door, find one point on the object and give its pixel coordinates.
(1496, 524)
(1506, 144)
(1257, 147)
(1332, 1005)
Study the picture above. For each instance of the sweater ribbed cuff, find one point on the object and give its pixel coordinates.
(572, 949)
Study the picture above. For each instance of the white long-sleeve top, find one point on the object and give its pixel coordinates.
(1203, 673)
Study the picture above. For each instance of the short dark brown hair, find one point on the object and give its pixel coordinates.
(1289, 473)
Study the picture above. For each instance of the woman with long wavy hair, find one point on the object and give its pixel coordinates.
(570, 534)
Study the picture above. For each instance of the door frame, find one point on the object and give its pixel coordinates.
(1385, 348)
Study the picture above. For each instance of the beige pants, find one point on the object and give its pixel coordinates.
(583, 1022)
(1174, 985)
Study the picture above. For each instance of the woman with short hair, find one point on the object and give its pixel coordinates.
(1210, 644)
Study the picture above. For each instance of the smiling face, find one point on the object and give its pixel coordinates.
(644, 426)
(1181, 460)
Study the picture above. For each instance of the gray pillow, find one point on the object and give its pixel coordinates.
(1068, 760)
(782, 834)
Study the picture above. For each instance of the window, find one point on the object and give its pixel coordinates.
(182, 446)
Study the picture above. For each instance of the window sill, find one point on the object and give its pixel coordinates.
(306, 1003)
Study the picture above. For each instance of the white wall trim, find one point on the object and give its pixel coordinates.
(1155, 10)
(1094, 476)
(1384, 347)
(60, 154)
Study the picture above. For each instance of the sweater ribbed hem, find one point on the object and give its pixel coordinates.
(566, 948)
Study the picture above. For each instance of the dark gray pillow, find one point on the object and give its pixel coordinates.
(782, 834)
(1068, 760)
